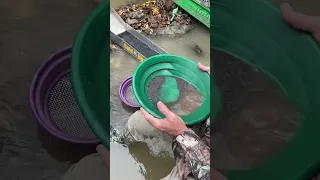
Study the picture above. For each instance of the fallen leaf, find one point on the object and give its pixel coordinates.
(120, 12)
(112, 46)
(155, 11)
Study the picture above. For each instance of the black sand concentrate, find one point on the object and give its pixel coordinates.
(153, 18)
(256, 120)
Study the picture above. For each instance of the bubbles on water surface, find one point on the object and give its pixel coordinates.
(159, 147)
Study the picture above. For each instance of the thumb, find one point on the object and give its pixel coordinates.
(164, 110)
(204, 68)
(105, 154)
(298, 20)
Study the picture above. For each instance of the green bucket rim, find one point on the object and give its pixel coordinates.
(77, 84)
(177, 66)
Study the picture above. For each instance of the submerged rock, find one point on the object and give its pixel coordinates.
(174, 28)
(197, 49)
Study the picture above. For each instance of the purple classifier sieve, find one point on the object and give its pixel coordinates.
(53, 103)
(126, 93)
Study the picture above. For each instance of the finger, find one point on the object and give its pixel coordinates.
(204, 68)
(298, 20)
(105, 155)
(164, 110)
(152, 120)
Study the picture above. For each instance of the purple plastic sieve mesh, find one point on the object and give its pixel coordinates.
(53, 104)
(126, 93)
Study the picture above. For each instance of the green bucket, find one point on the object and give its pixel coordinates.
(169, 65)
(254, 31)
(90, 71)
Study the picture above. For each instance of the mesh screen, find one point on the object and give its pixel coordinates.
(180, 97)
(130, 96)
(65, 113)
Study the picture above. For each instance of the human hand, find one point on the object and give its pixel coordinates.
(104, 153)
(301, 21)
(204, 68)
(171, 124)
